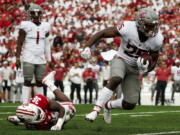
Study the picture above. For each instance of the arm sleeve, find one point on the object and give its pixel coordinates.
(24, 26)
(122, 28)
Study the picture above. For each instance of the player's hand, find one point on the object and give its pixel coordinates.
(18, 63)
(50, 65)
(56, 127)
(86, 53)
(142, 66)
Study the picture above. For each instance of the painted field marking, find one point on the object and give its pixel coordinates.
(135, 113)
(160, 133)
(7, 106)
(117, 114)
(145, 115)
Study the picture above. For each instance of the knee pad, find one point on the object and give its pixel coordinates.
(39, 83)
(127, 106)
(114, 82)
(27, 83)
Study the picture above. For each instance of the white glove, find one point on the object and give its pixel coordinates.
(143, 68)
(58, 125)
(86, 53)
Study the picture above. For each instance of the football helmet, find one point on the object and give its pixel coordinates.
(147, 21)
(30, 113)
(35, 12)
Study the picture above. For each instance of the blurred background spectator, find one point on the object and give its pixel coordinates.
(73, 22)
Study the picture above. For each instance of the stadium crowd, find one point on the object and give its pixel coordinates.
(72, 23)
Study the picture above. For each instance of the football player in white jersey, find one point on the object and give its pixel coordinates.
(137, 37)
(34, 49)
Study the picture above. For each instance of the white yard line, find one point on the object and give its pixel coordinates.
(116, 114)
(7, 106)
(136, 113)
(7, 112)
(160, 133)
(145, 115)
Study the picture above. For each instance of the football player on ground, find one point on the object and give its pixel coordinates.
(137, 37)
(36, 50)
(44, 114)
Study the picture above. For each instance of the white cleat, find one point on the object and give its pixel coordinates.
(49, 79)
(107, 115)
(15, 120)
(91, 116)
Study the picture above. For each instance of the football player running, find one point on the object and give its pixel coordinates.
(36, 53)
(137, 37)
(44, 114)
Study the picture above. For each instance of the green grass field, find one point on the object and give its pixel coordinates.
(142, 120)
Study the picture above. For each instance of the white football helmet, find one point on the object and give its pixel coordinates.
(147, 21)
(35, 12)
(30, 113)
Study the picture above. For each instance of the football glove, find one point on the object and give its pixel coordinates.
(58, 125)
(86, 53)
(142, 66)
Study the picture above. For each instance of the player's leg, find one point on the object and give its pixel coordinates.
(49, 82)
(40, 72)
(78, 90)
(72, 91)
(118, 70)
(85, 93)
(107, 111)
(61, 85)
(28, 71)
(130, 89)
(158, 88)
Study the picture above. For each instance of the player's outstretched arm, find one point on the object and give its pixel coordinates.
(106, 33)
(55, 106)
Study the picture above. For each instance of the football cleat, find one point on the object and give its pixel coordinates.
(107, 115)
(91, 116)
(14, 120)
(49, 79)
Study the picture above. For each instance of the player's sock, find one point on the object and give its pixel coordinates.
(117, 104)
(104, 95)
(25, 94)
(39, 90)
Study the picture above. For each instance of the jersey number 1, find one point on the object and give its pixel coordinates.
(37, 38)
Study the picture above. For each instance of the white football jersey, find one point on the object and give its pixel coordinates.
(131, 47)
(176, 73)
(34, 46)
